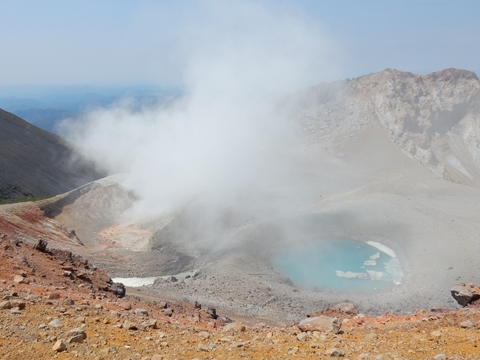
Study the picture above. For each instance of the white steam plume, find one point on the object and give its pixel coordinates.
(221, 140)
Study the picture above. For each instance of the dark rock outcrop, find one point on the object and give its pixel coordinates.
(118, 289)
(41, 245)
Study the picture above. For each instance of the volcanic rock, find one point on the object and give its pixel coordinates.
(335, 352)
(152, 323)
(234, 327)
(429, 117)
(168, 311)
(80, 319)
(20, 304)
(466, 324)
(69, 302)
(118, 289)
(53, 296)
(19, 279)
(129, 325)
(346, 308)
(320, 323)
(465, 294)
(302, 336)
(75, 335)
(41, 245)
(55, 323)
(5, 305)
(139, 311)
(59, 346)
(212, 312)
(125, 305)
(162, 304)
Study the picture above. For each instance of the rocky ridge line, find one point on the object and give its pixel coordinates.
(433, 118)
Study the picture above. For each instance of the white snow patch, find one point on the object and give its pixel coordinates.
(144, 281)
(383, 248)
(136, 281)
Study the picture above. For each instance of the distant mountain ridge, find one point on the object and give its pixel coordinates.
(35, 163)
(46, 119)
(46, 106)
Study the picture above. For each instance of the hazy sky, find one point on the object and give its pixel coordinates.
(127, 42)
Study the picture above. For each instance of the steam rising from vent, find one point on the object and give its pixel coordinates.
(221, 144)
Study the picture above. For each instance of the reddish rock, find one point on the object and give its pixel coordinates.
(125, 305)
(211, 325)
(162, 304)
(53, 296)
(69, 301)
(465, 294)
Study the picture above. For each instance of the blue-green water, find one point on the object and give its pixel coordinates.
(326, 265)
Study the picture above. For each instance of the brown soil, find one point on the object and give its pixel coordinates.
(62, 285)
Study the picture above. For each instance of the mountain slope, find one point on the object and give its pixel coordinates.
(34, 162)
(433, 118)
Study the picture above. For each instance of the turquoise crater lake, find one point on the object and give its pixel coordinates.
(339, 265)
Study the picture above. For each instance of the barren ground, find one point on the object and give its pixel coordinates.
(27, 330)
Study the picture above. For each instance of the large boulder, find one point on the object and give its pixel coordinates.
(59, 346)
(118, 289)
(234, 327)
(465, 294)
(320, 323)
(74, 335)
